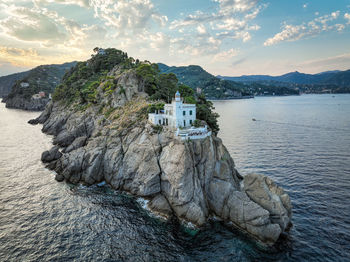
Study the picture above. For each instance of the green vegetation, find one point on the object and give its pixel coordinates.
(152, 108)
(164, 86)
(157, 128)
(81, 82)
(213, 87)
(270, 90)
(42, 78)
(80, 86)
(197, 123)
(7, 82)
(205, 112)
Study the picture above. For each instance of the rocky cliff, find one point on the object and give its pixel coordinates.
(31, 104)
(192, 180)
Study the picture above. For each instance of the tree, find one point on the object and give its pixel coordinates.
(205, 112)
(167, 86)
(148, 74)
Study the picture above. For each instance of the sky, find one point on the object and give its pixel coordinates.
(225, 37)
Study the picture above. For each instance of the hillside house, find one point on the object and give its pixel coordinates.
(24, 84)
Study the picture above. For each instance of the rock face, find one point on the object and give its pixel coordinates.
(192, 180)
(51, 155)
(19, 102)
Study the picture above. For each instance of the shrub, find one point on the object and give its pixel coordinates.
(197, 123)
(157, 128)
(152, 108)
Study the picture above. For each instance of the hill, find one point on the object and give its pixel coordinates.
(6, 82)
(341, 79)
(292, 77)
(43, 78)
(214, 88)
(325, 82)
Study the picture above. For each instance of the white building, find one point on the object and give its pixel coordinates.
(24, 84)
(177, 114)
(101, 51)
(181, 117)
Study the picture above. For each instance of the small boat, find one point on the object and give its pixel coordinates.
(253, 119)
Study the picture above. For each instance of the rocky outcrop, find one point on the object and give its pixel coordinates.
(192, 180)
(31, 104)
(51, 155)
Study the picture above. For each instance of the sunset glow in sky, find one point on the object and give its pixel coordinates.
(226, 37)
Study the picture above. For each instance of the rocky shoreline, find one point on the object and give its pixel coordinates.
(102, 134)
(192, 180)
(32, 104)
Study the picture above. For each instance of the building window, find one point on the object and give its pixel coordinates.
(184, 113)
(160, 121)
(166, 121)
(190, 112)
(184, 122)
(191, 121)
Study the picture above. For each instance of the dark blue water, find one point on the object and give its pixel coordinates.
(303, 143)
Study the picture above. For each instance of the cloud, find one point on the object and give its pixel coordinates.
(304, 30)
(239, 61)
(128, 16)
(339, 62)
(231, 18)
(347, 17)
(224, 55)
(232, 6)
(333, 60)
(31, 24)
(210, 34)
(83, 3)
(18, 56)
(305, 5)
(201, 30)
(90, 35)
(13, 51)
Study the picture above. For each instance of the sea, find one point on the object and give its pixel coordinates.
(301, 142)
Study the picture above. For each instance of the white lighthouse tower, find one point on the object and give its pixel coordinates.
(179, 111)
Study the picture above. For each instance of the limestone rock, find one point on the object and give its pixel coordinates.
(267, 194)
(20, 102)
(51, 155)
(33, 121)
(160, 204)
(77, 143)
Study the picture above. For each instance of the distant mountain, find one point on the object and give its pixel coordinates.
(6, 82)
(195, 77)
(43, 78)
(329, 77)
(341, 79)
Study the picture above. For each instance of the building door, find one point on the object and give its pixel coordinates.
(184, 123)
(166, 121)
